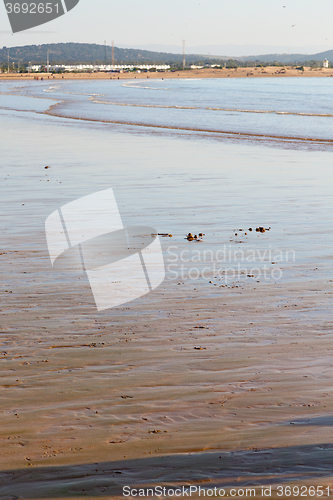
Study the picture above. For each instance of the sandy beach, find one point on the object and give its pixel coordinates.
(203, 382)
(270, 71)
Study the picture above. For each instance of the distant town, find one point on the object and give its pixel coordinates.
(81, 68)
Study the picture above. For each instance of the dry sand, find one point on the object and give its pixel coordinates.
(271, 71)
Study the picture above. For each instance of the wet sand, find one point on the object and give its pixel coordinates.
(194, 384)
(177, 389)
(270, 71)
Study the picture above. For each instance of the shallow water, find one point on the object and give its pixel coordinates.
(295, 108)
(176, 184)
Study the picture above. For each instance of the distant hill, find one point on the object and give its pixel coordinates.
(88, 53)
(290, 58)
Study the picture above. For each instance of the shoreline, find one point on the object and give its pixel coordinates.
(198, 382)
(268, 72)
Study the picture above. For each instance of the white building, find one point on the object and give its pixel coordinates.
(325, 64)
(34, 67)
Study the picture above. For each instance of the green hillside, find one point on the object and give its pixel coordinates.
(87, 53)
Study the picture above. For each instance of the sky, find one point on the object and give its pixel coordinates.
(239, 27)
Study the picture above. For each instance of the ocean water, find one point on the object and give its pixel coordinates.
(265, 108)
(173, 174)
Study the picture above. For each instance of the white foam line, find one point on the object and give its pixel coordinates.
(227, 110)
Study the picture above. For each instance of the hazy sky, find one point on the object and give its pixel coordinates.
(200, 22)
